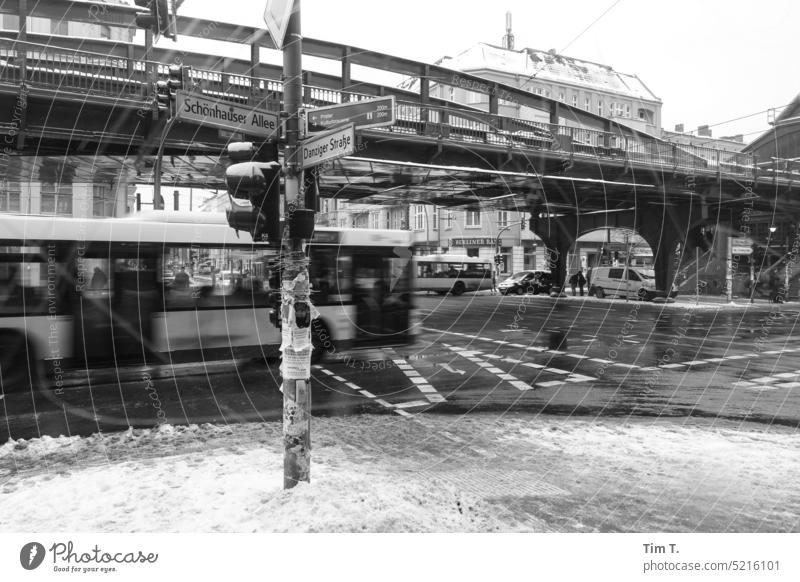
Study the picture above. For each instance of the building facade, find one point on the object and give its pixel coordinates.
(622, 97)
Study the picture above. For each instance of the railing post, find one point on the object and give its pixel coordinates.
(424, 92)
(554, 114)
(345, 74)
(255, 61)
(23, 38)
(494, 106)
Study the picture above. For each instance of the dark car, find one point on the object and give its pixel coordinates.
(527, 282)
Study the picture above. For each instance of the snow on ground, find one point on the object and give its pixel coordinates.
(478, 472)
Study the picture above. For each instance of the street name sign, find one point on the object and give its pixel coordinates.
(327, 146)
(367, 113)
(741, 246)
(276, 17)
(226, 115)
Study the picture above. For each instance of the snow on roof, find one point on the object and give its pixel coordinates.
(549, 67)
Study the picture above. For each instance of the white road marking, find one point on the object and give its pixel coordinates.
(412, 404)
(420, 382)
(451, 369)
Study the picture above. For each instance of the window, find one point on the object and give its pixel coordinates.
(38, 25)
(539, 90)
(473, 252)
(375, 220)
(9, 22)
(561, 96)
(448, 219)
(84, 29)
(435, 218)
(473, 219)
(627, 110)
(617, 109)
(103, 201)
(56, 198)
(600, 107)
(632, 276)
(396, 221)
(574, 100)
(615, 273)
(502, 218)
(419, 217)
(10, 199)
(588, 104)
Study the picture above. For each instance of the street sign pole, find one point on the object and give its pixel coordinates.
(295, 290)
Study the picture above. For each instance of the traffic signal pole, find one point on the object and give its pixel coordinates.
(295, 290)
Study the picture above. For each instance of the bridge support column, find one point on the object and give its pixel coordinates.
(558, 234)
(666, 234)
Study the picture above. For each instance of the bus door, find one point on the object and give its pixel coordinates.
(90, 306)
(137, 296)
(382, 293)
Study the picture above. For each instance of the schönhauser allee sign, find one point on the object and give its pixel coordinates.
(226, 115)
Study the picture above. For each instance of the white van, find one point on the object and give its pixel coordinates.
(624, 282)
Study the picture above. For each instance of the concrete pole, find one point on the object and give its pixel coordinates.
(296, 342)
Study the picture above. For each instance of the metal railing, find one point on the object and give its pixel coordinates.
(114, 75)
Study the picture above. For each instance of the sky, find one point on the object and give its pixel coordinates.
(709, 61)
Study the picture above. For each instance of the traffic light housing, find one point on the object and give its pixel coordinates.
(163, 99)
(158, 18)
(255, 177)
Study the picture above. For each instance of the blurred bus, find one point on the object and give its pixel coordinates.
(167, 287)
(452, 273)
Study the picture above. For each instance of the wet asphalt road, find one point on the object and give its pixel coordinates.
(475, 353)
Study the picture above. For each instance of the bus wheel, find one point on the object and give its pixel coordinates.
(458, 288)
(19, 366)
(321, 341)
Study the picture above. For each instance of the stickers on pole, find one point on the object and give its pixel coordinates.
(296, 343)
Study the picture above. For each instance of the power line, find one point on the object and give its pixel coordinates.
(607, 10)
(744, 116)
(591, 25)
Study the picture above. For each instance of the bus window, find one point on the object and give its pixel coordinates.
(330, 273)
(24, 280)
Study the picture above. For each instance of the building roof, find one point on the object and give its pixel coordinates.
(548, 66)
(789, 116)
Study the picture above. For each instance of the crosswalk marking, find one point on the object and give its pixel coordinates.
(421, 383)
(772, 382)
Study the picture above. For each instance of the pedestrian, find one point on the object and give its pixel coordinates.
(581, 281)
(573, 282)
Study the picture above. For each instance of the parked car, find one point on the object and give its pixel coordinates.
(527, 282)
(624, 281)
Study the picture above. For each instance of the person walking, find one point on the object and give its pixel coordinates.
(573, 282)
(581, 281)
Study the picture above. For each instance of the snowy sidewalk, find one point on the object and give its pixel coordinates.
(479, 472)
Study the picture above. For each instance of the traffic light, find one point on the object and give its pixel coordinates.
(255, 177)
(163, 99)
(159, 18)
(498, 259)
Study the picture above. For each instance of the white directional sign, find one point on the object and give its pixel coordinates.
(327, 146)
(741, 246)
(207, 111)
(276, 17)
